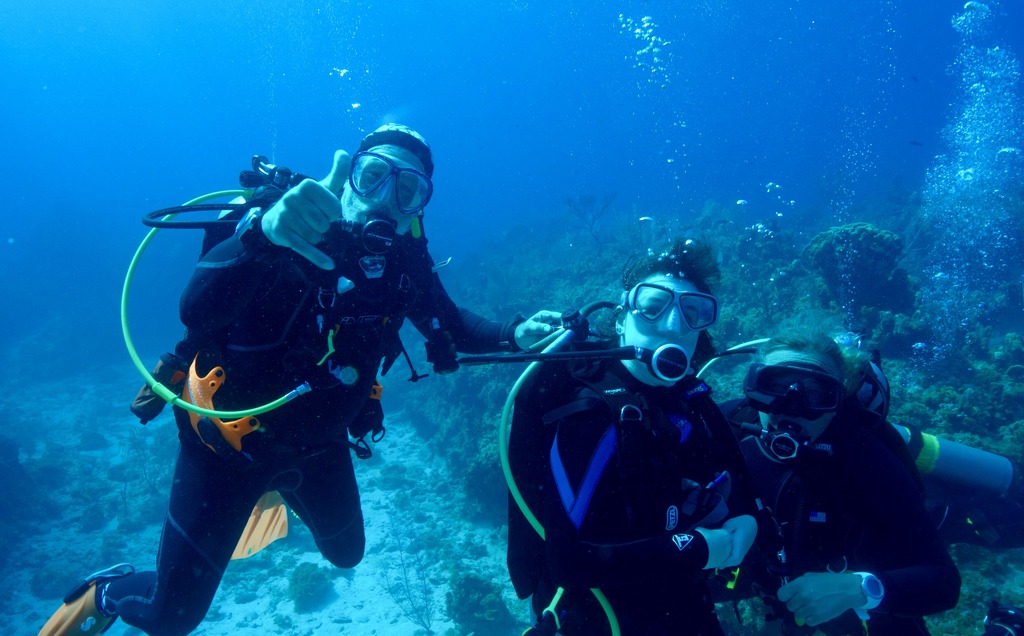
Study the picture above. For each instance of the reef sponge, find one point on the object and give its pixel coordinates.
(476, 606)
(860, 265)
(309, 587)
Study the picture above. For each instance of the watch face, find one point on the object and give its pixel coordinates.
(872, 587)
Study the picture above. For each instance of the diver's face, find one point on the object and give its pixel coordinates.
(382, 203)
(809, 429)
(669, 328)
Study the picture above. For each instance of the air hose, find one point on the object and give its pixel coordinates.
(164, 392)
(743, 347)
(552, 343)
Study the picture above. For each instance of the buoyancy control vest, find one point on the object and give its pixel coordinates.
(328, 313)
(625, 464)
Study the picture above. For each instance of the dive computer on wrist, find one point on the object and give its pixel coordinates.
(872, 589)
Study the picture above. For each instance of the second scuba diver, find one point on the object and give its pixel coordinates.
(295, 296)
(846, 546)
(629, 470)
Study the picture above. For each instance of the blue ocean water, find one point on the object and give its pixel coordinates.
(114, 108)
(111, 109)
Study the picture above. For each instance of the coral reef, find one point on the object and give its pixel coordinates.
(309, 587)
(475, 604)
(406, 576)
(860, 264)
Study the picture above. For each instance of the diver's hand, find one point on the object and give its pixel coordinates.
(303, 215)
(728, 544)
(536, 327)
(817, 597)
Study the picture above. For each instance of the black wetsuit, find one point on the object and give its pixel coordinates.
(635, 541)
(849, 504)
(265, 315)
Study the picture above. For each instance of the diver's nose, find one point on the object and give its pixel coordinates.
(674, 320)
(382, 200)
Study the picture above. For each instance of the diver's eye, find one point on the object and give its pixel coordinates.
(651, 301)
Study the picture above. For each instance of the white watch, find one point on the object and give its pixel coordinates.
(873, 590)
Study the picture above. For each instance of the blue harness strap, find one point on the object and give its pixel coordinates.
(611, 395)
(576, 503)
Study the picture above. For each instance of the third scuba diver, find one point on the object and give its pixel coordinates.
(846, 545)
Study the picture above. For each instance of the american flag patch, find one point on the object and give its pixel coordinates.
(818, 517)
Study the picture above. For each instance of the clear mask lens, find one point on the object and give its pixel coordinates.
(370, 173)
(651, 302)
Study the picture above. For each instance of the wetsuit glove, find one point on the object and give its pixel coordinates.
(170, 372)
(441, 351)
(728, 544)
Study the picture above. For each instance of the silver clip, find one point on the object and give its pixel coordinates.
(630, 413)
(443, 263)
(326, 293)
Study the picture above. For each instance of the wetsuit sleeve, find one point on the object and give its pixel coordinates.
(904, 549)
(224, 282)
(470, 332)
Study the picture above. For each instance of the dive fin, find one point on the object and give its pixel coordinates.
(79, 613)
(267, 523)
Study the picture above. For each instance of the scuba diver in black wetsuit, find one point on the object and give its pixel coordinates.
(628, 472)
(846, 545)
(312, 289)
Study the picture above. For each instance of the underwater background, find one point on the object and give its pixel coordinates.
(862, 159)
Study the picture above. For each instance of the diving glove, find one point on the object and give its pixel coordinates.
(170, 372)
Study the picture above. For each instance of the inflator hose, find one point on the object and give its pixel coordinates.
(155, 385)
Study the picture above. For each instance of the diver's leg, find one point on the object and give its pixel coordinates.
(327, 501)
(209, 506)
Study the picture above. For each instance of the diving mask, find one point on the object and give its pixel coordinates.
(377, 176)
(796, 391)
(650, 302)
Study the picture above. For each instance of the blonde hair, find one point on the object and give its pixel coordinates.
(816, 341)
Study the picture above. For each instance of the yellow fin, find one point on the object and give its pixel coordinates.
(267, 523)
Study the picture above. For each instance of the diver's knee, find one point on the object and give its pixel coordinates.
(344, 548)
(343, 554)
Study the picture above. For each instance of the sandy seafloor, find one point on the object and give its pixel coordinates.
(254, 597)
